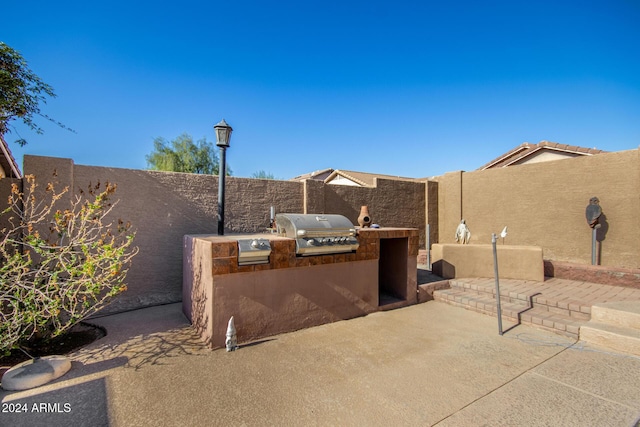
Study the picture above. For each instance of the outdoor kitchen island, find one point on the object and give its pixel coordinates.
(288, 291)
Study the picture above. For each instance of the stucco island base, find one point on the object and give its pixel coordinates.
(269, 302)
(293, 292)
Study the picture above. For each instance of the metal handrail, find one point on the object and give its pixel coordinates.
(495, 271)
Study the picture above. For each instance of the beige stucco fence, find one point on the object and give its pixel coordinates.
(542, 204)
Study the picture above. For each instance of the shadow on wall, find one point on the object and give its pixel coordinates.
(443, 269)
(260, 313)
(273, 301)
(601, 235)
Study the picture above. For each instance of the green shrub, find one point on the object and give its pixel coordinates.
(58, 266)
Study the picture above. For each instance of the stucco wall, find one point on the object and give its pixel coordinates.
(431, 210)
(543, 204)
(449, 205)
(165, 206)
(391, 203)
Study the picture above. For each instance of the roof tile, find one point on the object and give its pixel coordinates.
(526, 149)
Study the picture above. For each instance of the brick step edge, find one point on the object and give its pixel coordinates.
(554, 305)
(538, 317)
(461, 296)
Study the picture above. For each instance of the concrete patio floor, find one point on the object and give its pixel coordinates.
(428, 364)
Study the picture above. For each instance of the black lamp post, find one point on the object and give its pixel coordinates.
(223, 134)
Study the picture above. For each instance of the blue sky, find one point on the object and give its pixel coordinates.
(402, 88)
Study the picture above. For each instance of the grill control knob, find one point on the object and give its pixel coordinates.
(311, 242)
(255, 244)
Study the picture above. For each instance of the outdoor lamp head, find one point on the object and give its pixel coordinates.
(223, 134)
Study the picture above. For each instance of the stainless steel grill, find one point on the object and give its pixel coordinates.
(318, 234)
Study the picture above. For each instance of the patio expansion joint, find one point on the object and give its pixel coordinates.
(581, 390)
(506, 383)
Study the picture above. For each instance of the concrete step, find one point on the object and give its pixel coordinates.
(618, 313)
(514, 310)
(614, 325)
(613, 337)
(524, 295)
